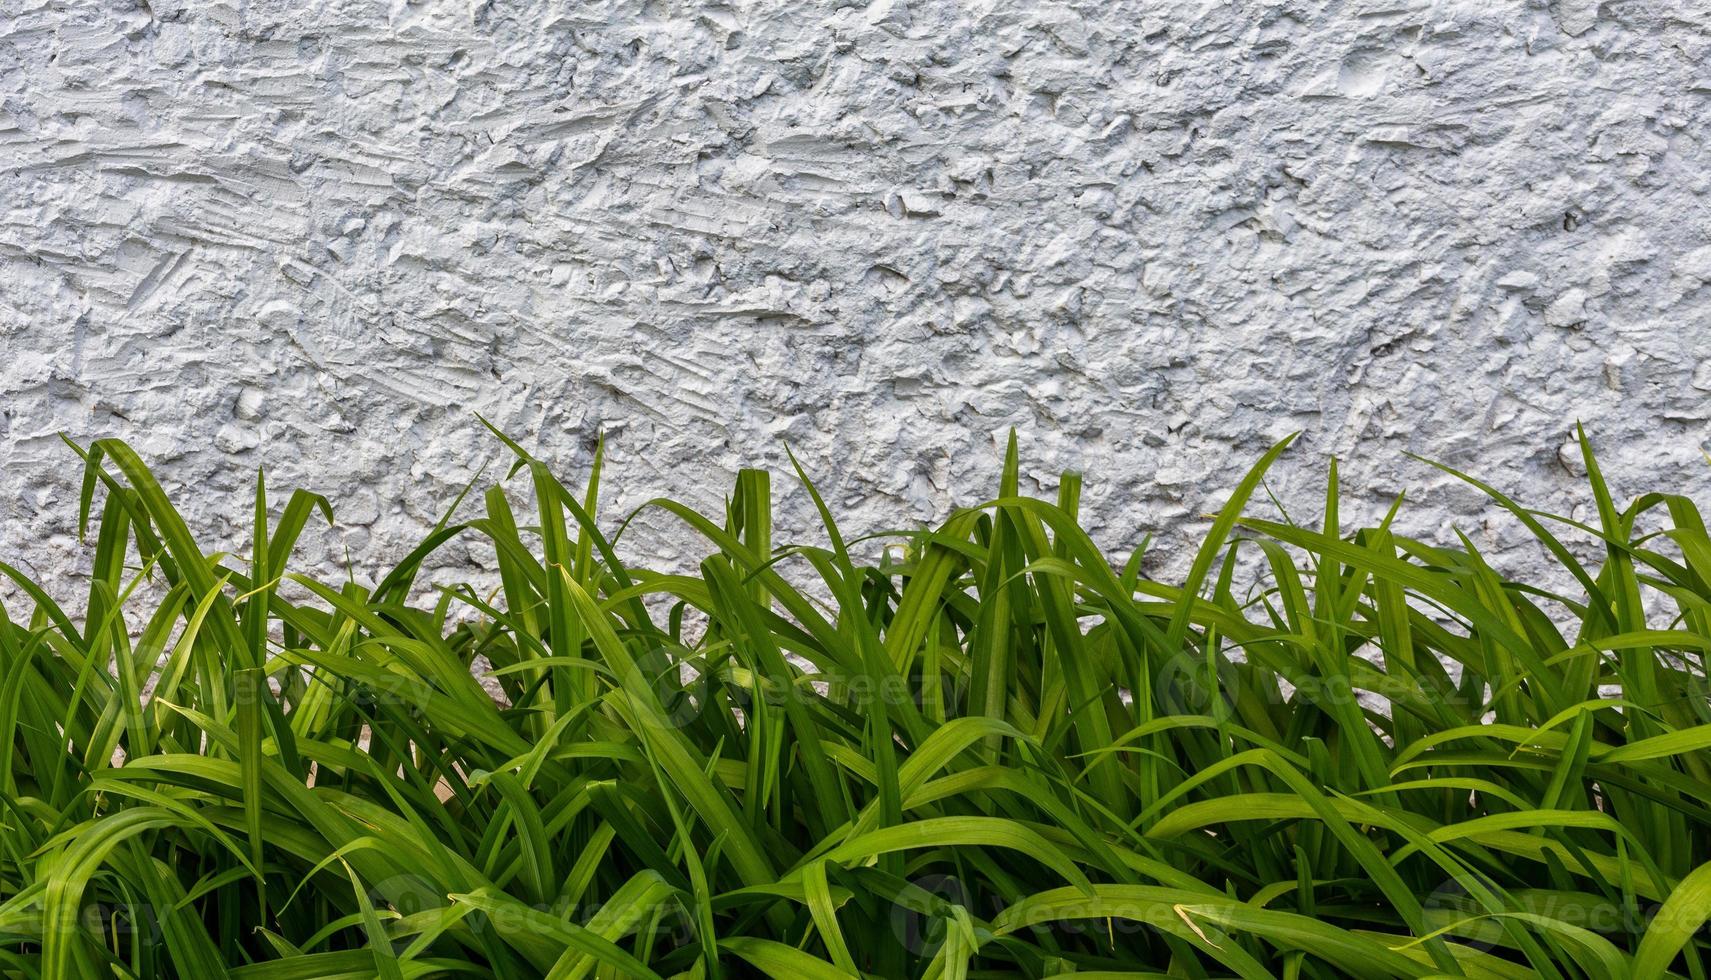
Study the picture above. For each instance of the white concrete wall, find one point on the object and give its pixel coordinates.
(1152, 235)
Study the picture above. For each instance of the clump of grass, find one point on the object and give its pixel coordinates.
(1003, 755)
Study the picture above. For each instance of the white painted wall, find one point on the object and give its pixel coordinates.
(1154, 236)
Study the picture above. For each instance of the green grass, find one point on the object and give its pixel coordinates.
(993, 752)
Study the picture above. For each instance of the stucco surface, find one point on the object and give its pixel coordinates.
(1153, 236)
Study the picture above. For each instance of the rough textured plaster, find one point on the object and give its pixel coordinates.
(1154, 236)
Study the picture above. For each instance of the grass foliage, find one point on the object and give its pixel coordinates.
(990, 752)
